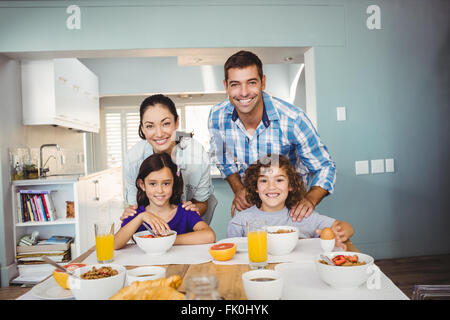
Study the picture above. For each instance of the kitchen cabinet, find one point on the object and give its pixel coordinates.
(100, 199)
(96, 197)
(61, 92)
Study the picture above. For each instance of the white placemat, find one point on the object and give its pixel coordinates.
(132, 255)
(301, 281)
(305, 250)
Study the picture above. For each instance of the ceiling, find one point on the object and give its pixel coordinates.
(186, 56)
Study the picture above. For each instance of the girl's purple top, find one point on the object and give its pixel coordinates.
(183, 221)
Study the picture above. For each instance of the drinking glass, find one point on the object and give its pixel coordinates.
(257, 243)
(104, 241)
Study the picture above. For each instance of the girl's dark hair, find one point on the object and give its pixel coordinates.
(155, 162)
(243, 59)
(154, 100)
(253, 172)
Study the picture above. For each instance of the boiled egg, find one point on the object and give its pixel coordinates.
(327, 234)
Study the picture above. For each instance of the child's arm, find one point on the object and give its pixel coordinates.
(126, 232)
(342, 231)
(202, 234)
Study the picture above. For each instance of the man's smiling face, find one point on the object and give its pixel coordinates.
(244, 88)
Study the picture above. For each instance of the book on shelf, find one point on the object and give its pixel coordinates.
(36, 257)
(35, 205)
(57, 239)
(43, 247)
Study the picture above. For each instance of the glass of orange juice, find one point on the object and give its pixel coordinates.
(104, 241)
(257, 243)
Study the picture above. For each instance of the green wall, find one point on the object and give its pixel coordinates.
(393, 82)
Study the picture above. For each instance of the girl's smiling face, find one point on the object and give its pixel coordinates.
(159, 127)
(273, 188)
(158, 186)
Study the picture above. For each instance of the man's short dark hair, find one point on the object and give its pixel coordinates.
(243, 59)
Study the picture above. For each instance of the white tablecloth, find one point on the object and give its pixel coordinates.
(132, 255)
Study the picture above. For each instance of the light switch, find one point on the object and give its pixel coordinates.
(341, 114)
(389, 165)
(377, 165)
(362, 167)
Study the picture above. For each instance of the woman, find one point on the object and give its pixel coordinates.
(158, 125)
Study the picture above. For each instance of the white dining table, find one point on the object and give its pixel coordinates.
(301, 279)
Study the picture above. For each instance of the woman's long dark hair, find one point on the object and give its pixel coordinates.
(152, 101)
(155, 162)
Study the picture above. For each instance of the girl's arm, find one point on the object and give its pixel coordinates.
(202, 234)
(126, 232)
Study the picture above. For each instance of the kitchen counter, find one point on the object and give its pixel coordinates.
(69, 178)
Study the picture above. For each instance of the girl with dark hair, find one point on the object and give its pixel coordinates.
(158, 126)
(273, 187)
(160, 187)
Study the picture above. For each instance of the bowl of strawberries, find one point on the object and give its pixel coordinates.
(347, 269)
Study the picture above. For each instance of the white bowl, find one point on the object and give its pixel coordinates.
(155, 246)
(344, 277)
(97, 289)
(262, 290)
(145, 273)
(279, 244)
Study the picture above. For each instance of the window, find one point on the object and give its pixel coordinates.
(113, 139)
(121, 133)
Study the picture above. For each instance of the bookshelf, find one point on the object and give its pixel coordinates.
(96, 197)
(61, 190)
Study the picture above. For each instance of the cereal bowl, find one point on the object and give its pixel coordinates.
(281, 240)
(97, 288)
(145, 273)
(344, 277)
(154, 246)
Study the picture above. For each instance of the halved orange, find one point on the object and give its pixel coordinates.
(62, 278)
(223, 251)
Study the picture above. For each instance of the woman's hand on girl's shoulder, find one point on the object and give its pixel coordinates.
(189, 205)
(128, 212)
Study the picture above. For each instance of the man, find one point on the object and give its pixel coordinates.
(252, 124)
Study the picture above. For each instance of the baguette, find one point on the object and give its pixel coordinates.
(159, 289)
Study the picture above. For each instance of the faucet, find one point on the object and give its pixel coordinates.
(42, 170)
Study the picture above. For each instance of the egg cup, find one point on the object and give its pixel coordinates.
(327, 245)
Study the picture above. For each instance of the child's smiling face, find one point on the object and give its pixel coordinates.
(158, 186)
(273, 188)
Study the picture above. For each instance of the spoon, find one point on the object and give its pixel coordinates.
(327, 260)
(57, 266)
(149, 229)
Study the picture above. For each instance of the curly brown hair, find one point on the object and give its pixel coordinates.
(253, 173)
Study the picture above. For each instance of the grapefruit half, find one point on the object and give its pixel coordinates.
(223, 251)
(62, 278)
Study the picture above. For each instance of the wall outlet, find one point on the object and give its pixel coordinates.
(377, 166)
(390, 165)
(362, 167)
(341, 114)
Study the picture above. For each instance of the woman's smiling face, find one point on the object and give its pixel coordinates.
(159, 127)
(273, 188)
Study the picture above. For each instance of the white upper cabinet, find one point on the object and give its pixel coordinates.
(61, 92)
